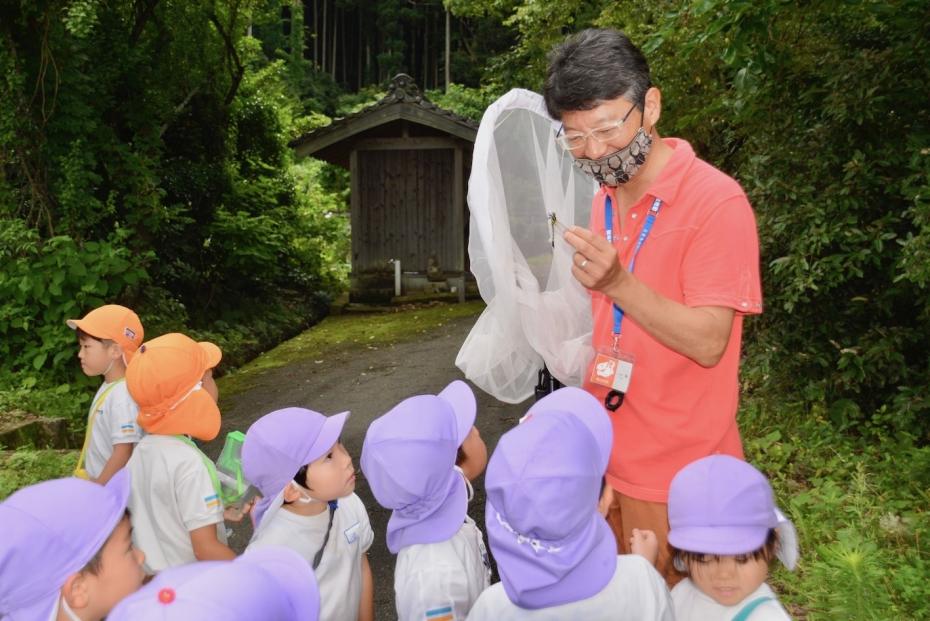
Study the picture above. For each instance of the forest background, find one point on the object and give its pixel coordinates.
(144, 160)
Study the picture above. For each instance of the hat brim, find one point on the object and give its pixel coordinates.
(88, 327)
(292, 573)
(461, 398)
(213, 352)
(327, 438)
(433, 527)
(197, 416)
(583, 405)
(723, 540)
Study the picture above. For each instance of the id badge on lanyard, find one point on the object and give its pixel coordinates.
(613, 367)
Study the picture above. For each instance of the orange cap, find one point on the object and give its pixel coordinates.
(114, 322)
(164, 381)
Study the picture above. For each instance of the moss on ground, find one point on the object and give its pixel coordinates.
(345, 331)
(27, 466)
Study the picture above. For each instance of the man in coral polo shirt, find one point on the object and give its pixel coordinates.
(671, 260)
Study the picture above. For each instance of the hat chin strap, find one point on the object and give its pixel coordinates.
(468, 486)
(193, 389)
(70, 613)
(304, 498)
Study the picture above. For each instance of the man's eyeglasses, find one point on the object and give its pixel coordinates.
(575, 142)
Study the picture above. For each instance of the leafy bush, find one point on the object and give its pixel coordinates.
(28, 466)
(43, 283)
(860, 516)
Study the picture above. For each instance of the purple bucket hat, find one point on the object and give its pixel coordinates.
(408, 458)
(42, 544)
(543, 482)
(589, 411)
(269, 583)
(279, 443)
(722, 505)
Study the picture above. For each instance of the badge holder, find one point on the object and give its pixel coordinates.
(613, 369)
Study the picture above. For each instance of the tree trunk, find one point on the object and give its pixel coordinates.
(425, 72)
(323, 41)
(358, 77)
(332, 73)
(448, 46)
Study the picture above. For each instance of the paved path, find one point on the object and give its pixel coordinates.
(368, 382)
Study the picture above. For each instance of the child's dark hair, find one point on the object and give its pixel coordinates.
(766, 552)
(95, 563)
(460, 457)
(84, 335)
(301, 477)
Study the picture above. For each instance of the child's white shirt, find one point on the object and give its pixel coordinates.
(692, 604)
(339, 575)
(444, 578)
(171, 494)
(115, 423)
(635, 593)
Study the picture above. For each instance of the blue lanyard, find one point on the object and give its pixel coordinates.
(643, 234)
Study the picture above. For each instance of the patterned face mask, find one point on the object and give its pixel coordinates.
(618, 167)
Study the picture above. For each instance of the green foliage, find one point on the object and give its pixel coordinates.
(464, 101)
(144, 160)
(45, 282)
(27, 466)
(860, 515)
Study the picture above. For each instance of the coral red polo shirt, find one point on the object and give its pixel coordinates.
(703, 251)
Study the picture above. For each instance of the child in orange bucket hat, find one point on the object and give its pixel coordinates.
(177, 511)
(108, 337)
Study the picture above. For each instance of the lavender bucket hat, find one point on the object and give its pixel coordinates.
(273, 584)
(408, 459)
(543, 482)
(42, 544)
(723, 505)
(278, 444)
(586, 408)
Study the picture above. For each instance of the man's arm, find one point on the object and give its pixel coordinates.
(700, 333)
(207, 547)
(119, 458)
(366, 608)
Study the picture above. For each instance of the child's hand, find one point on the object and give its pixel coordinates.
(645, 543)
(236, 513)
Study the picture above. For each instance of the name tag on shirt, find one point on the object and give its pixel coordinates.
(613, 370)
(351, 533)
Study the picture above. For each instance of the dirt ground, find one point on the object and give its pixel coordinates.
(368, 382)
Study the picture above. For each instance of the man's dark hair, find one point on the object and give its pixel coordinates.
(594, 66)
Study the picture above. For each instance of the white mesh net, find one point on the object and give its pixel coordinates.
(537, 312)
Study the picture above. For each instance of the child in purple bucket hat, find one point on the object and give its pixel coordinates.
(556, 554)
(271, 584)
(307, 479)
(74, 564)
(409, 459)
(724, 531)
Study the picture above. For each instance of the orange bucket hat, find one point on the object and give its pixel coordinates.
(164, 381)
(114, 322)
